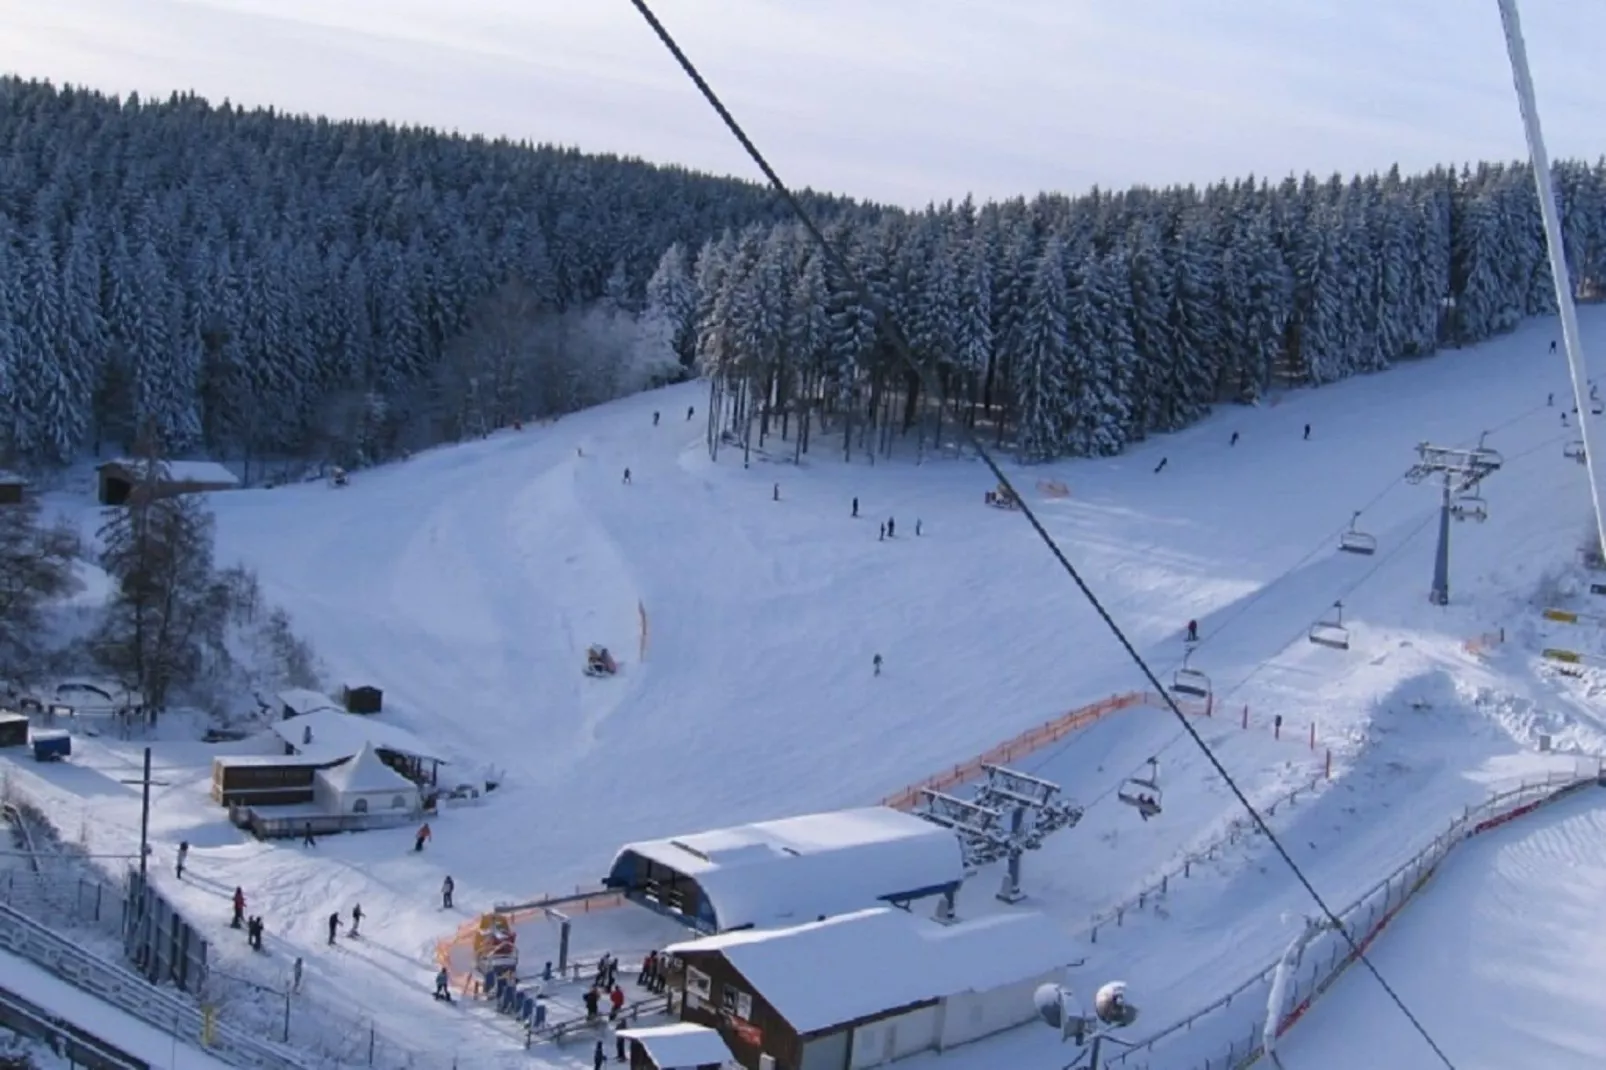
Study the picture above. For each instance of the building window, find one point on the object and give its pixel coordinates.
(360, 806)
(398, 803)
(698, 985)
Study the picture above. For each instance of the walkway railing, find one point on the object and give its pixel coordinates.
(1325, 960)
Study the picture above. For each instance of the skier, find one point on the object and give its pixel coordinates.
(447, 887)
(423, 836)
(295, 975)
(616, 1003)
(655, 418)
(1161, 466)
(618, 1048)
(1564, 419)
(690, 409)
(599, 1058)
(648, 965)
(306, 836)
(891, 524)
(306, 735)
(356, 919)
(855, 508)
(590, 999)
(253, 933)
(1553, 345)
(1550, 399)
(775, 494)
(443, 985)
(883, 536)
(1193, 631)
(627, 475)
(183, 854)
(876, 662)
(917, 527)
(1307, 432)
(1233, 441)
(239, 908)
(334, 927)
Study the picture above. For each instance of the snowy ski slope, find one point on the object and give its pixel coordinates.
(1498, 958)
(468, 582)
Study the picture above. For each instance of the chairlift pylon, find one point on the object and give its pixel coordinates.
(1190, 681)
(1143, 792)
(1356, 541)
(1330, 630)
(1470, 507)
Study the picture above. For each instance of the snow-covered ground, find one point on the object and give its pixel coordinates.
(1498, 958)
(468, 581)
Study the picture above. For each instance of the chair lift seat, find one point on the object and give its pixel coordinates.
(1191, 682)
(1357, 542)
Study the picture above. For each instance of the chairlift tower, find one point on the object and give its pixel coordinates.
(1461, 472)
(1011, 813)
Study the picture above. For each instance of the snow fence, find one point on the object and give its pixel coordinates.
(1324, 960)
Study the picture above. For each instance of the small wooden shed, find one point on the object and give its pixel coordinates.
(362, 699)
(12, 488)
(121, 479)
(13, 729)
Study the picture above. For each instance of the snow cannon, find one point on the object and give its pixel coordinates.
(1112, 1006)
(495, 944)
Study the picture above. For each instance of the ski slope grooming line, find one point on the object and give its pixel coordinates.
(1382, 903)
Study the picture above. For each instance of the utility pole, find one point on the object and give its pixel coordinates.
(145, 783)
(1572, 339)
(1462, 471)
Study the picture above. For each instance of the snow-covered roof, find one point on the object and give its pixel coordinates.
(797, 868)
(883, 959)
(303, 700)
(365, 774)
(336, 734)
(182, 471)
(12, 479)
(681, 1046)
(11, 717)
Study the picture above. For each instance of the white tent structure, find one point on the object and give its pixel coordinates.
(365, 785)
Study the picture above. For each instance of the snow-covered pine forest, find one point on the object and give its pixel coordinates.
(1073, 326)
(248, 283)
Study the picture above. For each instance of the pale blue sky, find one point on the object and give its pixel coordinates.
(900, 100)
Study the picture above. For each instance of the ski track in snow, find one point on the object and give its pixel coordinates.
(468, 581)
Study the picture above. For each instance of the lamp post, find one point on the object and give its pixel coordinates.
(1059, 1008)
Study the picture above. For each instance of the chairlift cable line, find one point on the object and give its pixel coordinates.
(1344, 593)
(888, 327)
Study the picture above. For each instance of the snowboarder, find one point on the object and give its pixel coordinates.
(253, 933)
(183, 855)
(616, 1003)
(295, 975)
(627, 475)
(447, 887)
(1233, 441)
(306, 836)
(356, 919)
(655, 418)
(443, 985)
(891, 524)
(1193, 631)
(599, 1058)
(1307, 432)
(1161, 466)
(876, 663)
(239, 908)
(690, 409)
(423, 837)
(917, 527)
(855, 508)
(334, 927)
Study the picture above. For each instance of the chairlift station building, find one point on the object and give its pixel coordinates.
(790, 871)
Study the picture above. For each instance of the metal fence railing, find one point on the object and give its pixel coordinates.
(1326, 958)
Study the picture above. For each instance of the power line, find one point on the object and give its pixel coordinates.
(900, 345)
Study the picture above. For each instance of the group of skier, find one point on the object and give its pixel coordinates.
(1232, 440)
